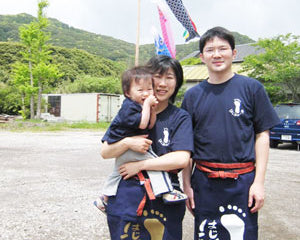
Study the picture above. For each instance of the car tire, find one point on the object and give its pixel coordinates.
(273, 143)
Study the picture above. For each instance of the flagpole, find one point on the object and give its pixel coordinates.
(137, 34)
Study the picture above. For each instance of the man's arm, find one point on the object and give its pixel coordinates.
(257, 190)
(138, 144)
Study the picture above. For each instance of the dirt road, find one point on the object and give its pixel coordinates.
(50, 180)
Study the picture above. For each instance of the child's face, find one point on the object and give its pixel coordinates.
(140, 90)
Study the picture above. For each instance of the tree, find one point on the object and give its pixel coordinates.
(87, 84)
(44, 75)
(191, 61)
(23, 84)
(9, 99)
(37, 55)
(278, 67)
(28, 35)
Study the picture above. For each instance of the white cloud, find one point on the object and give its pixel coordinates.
(118, 18)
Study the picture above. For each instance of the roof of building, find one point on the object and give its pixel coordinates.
(243, 50)
(199, 72)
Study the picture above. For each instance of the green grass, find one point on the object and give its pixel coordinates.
(40, 126)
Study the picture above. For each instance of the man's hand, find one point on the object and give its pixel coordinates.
(256, 197)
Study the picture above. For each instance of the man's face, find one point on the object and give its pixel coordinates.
(218, 55)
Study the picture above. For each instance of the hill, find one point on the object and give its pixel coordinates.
(66, 36)
(71, 62)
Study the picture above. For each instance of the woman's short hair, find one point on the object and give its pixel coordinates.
(161, 64)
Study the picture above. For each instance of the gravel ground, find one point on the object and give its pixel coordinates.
(49, 181)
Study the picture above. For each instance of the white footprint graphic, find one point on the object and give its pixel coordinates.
(232, 222)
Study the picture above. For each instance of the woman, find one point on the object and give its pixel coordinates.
(131, 214)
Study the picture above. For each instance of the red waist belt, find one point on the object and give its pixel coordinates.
(224, 170)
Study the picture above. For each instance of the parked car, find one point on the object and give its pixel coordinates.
(289, 128)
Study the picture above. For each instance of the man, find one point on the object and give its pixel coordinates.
(232, 115)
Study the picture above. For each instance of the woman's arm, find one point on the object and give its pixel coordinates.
(170, 161)
(137, 143)
(187, 188)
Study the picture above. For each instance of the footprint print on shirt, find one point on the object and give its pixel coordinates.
(232, 221)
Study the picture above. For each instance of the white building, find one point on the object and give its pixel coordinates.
(90, 107)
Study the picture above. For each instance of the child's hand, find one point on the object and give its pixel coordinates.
(151, 100)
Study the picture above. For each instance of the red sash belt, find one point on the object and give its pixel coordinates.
(224, 170)
(149, 191)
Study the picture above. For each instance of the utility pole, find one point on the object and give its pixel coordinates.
(137, 34)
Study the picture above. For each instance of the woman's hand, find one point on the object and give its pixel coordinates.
(130, 169)
(190, 201)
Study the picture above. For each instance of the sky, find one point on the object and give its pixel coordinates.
(118, 18)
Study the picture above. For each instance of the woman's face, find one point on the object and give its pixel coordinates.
(164, 85)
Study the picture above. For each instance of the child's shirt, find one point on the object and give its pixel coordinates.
(126, 123)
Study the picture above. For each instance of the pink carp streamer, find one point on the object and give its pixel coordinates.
(167, 32)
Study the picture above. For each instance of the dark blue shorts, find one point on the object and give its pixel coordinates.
(158, 220)
(222, 208)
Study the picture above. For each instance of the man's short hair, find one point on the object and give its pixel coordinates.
(220, 32)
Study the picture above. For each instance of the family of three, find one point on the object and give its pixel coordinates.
(218, 139)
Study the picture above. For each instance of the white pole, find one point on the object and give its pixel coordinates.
(137, 35)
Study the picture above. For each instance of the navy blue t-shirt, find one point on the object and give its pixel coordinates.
(226, 118)
(126, 123)
(172, 131)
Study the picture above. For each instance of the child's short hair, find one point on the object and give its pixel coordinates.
(220, 32)
(134, 74)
